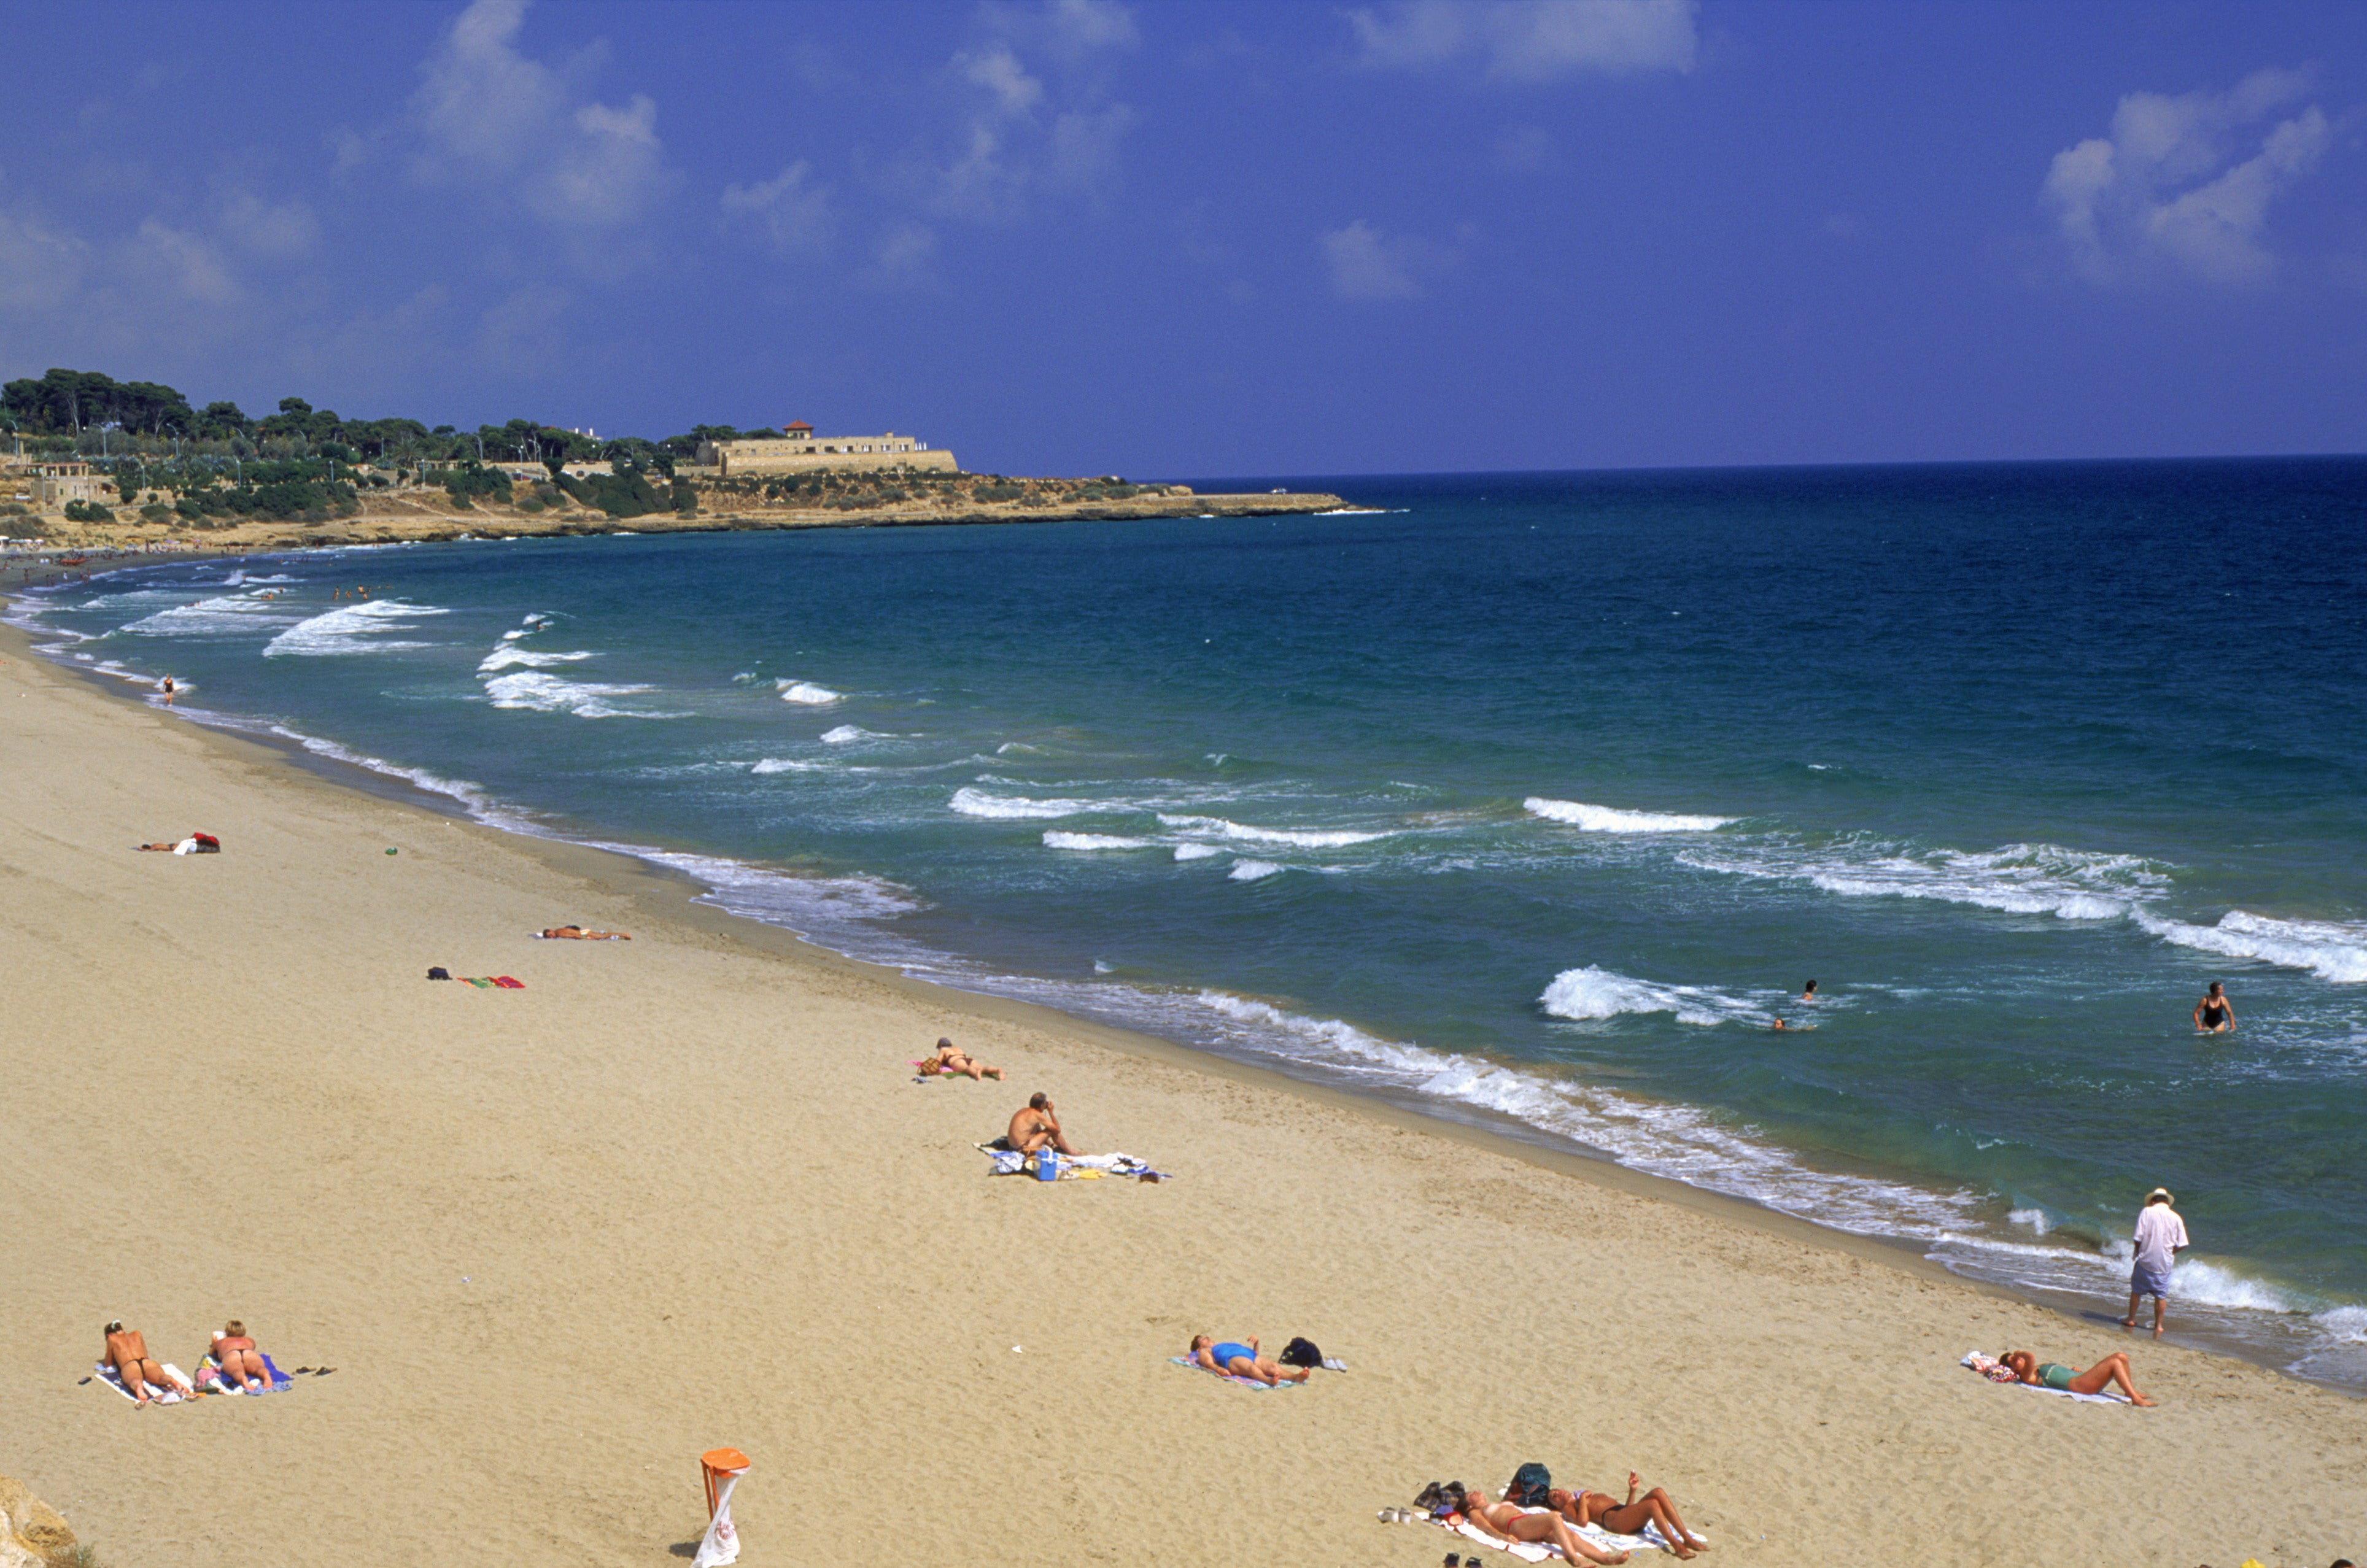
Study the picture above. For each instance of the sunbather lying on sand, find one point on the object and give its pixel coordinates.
(577, 933)
(2114, 1368)
(951, 1059)
(1241, 1360)
(242, 1363)
(1506, 1522)
(126, 1352)
(1654, 1507)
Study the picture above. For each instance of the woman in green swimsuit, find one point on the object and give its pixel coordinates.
(2113, 1370)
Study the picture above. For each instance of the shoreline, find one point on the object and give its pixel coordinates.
(700, 1152)
(1500, 1134)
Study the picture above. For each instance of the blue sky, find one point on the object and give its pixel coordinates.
(1170, 240)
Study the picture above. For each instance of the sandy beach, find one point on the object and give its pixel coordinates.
(682, 1191)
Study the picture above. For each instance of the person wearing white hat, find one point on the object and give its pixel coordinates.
(2160, 1237)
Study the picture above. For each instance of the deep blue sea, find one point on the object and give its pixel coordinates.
(1529, 799)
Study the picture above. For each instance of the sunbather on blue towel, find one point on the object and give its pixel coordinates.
(1240, 1360)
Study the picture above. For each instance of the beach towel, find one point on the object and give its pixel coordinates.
(1990, 1368)
(1009, 1161)
(211, 1379)
(1193, 1365)
(506, 983)
(1595, 1535)
(105, 1373)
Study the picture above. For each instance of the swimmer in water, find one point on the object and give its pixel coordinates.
(2214, 1014)
(1808, 992)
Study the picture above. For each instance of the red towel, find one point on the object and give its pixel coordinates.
(508, 984)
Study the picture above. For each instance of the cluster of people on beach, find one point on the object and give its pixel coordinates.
(1531, 1511)
(235, 1356)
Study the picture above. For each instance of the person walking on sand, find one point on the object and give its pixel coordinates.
(2113, 1370)
(2160, 1237)
(126, 1352)
(2214, 1014)
(1241, 1358)
(1035, 1127)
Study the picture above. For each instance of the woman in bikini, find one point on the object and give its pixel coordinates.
(1654, 1507)
(2114, 1368)
(2214, 1014)
(126, 1352)
(1506, 1522)
(242, 1363)
(951, 1059)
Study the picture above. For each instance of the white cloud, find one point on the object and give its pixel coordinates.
(903, 257)
(493, 117)
(40, 266)
(1531, 40)
(999, 72)
(1367, 266)
(176, 262)
(1067, 29)
(282, 231)
(521, 334)
(2172, 188)
(794, 214)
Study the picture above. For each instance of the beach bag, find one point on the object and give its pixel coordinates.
(1530, 1484)
(1300, 1353)
(206, 844)
(439, 972)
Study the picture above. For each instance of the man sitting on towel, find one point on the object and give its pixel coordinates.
(126, 1352)
(1036, 1127)
(1241, 1360)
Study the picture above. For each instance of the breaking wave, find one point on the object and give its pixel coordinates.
(1611, 819)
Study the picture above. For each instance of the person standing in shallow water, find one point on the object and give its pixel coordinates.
(2160, 1237)
(2214, 1014)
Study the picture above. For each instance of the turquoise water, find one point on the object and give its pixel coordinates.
(1531, 800)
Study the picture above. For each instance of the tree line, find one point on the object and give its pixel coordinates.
(59, 412)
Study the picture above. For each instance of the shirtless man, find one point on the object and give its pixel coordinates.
(242, 1363)
(2113, 1369)
(1036, 1127)
(952, 1059)
(1506, 1522)
(1654, 1507)
(1241, 1358)
(126, 1352)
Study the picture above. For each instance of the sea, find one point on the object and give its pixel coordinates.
(1529, 800)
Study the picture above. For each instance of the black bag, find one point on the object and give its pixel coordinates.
(1530, 1484)
(439, 972)
(1300, 1353)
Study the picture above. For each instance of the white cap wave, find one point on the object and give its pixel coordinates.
(1612, 819)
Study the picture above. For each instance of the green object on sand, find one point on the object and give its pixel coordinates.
(389, 852)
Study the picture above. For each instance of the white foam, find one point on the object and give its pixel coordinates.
(508, 655)
(472, 795)
(1056, 840)
(1198, 852)
(1304, 838)
(350, 629)
(2332, 950)
(2022, 879)
(2033, 1220)
(544, 693)
(846, 734)
(1612, 819)
(807, 693)
(223, 616)
(1675, 1141)
(1597, 993)
(1006, 807)
(1254, 870)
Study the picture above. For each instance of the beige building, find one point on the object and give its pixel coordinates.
(48, 486)
(799, 450)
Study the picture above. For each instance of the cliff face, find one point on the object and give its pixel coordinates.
(34, 1536)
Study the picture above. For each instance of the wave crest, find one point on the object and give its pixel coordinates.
(1612, 819)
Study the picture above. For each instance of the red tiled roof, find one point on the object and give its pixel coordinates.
(797, 424)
